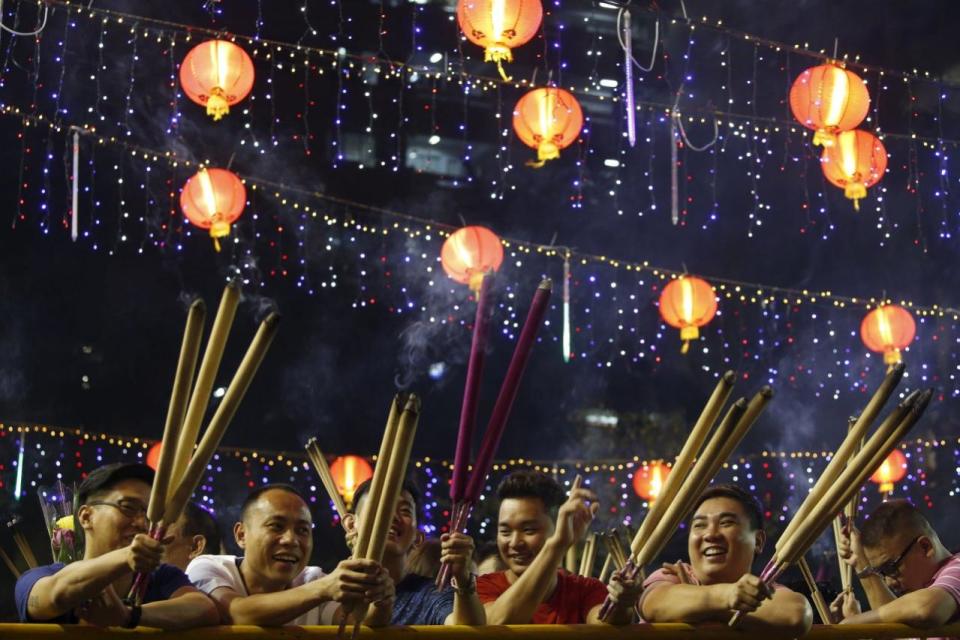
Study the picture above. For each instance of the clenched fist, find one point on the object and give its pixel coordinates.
(746, 594)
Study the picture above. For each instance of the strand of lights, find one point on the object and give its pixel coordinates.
(752, 292)
(779, 478)
(475, 81)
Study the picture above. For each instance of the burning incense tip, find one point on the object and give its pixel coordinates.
(546, 284)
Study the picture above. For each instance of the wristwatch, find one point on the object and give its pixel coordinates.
(467, 589)
(135, 612)
(867, 572)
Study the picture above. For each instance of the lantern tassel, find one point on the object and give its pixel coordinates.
(687, 334)
(546, 151)
(217, 105)
(824, 137)
(499, 54)
(855, 191)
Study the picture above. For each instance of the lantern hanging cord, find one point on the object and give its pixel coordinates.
(623, 44)
(43, 23)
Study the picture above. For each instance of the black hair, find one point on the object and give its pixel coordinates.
(408, 485)
(254, 495)
(200, 522)
(746, 499)
(891, 518)
(104, 478)
(532, 484)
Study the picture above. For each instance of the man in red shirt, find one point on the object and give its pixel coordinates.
(533, 589)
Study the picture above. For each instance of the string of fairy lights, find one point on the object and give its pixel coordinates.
(36, 456)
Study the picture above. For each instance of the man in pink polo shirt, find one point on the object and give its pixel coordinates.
(908, 575)
(726, 535)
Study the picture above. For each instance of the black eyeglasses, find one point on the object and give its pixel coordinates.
(130, 508)
(891, 568)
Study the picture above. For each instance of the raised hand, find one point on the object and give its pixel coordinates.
(850, 547)
(353, 581)
(625, 592)
(575, 516)
(844, 606)
(144, 553)
(456, 549)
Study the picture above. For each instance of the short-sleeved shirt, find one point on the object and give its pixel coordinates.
(209, 573)
(164, 582)
(570, 602)
(419, 602)
(660, 578)
(947, 578)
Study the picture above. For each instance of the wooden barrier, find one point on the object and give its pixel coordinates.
(662, 631)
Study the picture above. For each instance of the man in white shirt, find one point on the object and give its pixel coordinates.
(271, 584)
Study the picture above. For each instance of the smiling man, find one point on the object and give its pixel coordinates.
(271, 585)
(112, 512)
(417, 601)
(725, 537)
(533, 589)
(899, 554)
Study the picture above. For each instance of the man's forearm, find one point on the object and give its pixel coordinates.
(183, 612)
(75, 584)
(468, 610)
(517, 604)
(878, 594)
(273, 609)
(683, 603)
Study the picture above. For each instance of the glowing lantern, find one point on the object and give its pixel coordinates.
(888, 329)
(648, 480)
(499, 25)
(856, 161)
(469, 253)
(349, 472)
(213, 199)
(688, 303)
(217, 74)
(153, 456)
(829, 99)
(892, 470)
(547, 119)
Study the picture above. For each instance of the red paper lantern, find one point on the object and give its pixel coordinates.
(548, 120)
(688, 303)
(469, 253)
(892, 470)
(648, 480)
(499, 26)
(217, 74)
(829, 99)
(349, 472)
(857, 160)
(153, 456)
(213, 199)
(888, 329)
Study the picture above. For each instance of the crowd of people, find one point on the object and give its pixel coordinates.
(906, 572)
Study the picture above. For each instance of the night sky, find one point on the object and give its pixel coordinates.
(90, 330)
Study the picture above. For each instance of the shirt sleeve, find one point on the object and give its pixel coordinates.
(25, 585)
(441, 606)
(207, 574)
(592, 593)
(489, 587)
(658, 578)
(166, 581)
(948, 579)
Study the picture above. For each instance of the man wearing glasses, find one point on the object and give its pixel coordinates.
(908, 575)
(112, 514)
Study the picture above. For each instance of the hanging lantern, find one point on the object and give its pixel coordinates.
(499, 26)
(153, 456)
(213, 199)
(217, 74)
(829, 99)
(548, 120)
(349, 472)
(688, 303)
(888, 329)
(648, 480)
(469, 253)
(892, 470)
(857, 160)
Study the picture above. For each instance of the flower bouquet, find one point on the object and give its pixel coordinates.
(57, 505)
